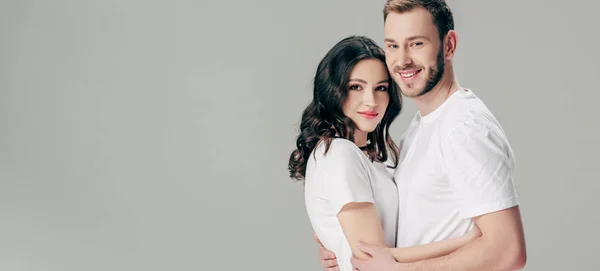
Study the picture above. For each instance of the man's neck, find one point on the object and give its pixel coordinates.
(437, 96)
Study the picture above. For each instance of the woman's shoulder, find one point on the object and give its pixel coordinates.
(339, 148)
(339, 161)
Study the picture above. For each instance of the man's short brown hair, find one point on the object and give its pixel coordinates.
(439, 9)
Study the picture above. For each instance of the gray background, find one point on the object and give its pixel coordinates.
(154, 135)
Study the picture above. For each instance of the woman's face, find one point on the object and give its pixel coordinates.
(368, 96)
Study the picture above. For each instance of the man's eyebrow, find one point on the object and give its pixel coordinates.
(417, 37)
(408, 39)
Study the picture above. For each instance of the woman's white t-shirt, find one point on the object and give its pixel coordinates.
(343, 175)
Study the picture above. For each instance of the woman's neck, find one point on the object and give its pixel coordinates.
(360, 138)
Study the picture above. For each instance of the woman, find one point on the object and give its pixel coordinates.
(346, 157)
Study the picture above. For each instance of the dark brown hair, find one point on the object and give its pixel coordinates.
(323, 119)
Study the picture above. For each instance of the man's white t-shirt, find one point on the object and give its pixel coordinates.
(343, 175)
(455, 164)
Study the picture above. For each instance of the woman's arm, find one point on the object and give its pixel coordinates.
(360, 222)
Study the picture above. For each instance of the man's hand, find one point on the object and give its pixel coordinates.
(326, 258)
(381, 260)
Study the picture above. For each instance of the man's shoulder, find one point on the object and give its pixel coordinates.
(467, 111)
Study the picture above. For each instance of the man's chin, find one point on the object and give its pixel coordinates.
(411, 92)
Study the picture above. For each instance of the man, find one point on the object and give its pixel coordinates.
(456, 165)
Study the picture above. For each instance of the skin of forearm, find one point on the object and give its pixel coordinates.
(478, 255)
(433, 250)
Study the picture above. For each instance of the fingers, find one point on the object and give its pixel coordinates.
(368, 249)
(325, 254)
(365, 248)
(356, 263)
(330, 264)
(327, 258)
(328, 255)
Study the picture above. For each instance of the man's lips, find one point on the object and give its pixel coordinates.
(409, 75)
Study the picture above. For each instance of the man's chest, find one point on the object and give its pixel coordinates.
(421, 175)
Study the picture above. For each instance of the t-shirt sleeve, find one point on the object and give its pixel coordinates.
(480, 164)
(343, 174)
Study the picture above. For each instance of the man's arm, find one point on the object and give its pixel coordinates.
(480, 165)
(435, 249)
(360, 224)
(501, 247)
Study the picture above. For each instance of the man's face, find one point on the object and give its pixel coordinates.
(414, 51)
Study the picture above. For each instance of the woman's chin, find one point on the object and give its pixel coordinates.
(367, 128)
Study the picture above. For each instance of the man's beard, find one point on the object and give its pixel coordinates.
(433, 79)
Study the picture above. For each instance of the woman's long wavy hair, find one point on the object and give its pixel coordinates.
(323, 119)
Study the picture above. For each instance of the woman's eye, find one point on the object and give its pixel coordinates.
(354, 87)
(382, 88)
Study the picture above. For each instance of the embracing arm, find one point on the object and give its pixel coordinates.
(481, 165)
(435, 249)
(360, 223)
(501, 247)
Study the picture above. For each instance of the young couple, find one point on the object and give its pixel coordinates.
(444, 197)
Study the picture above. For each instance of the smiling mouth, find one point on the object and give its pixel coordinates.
(409, 75)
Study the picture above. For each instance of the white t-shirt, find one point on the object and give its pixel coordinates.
(455, 164)
(343, 175)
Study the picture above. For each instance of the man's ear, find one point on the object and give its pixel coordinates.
(450, 42)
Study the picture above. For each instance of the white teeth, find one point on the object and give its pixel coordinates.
(407, 74)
